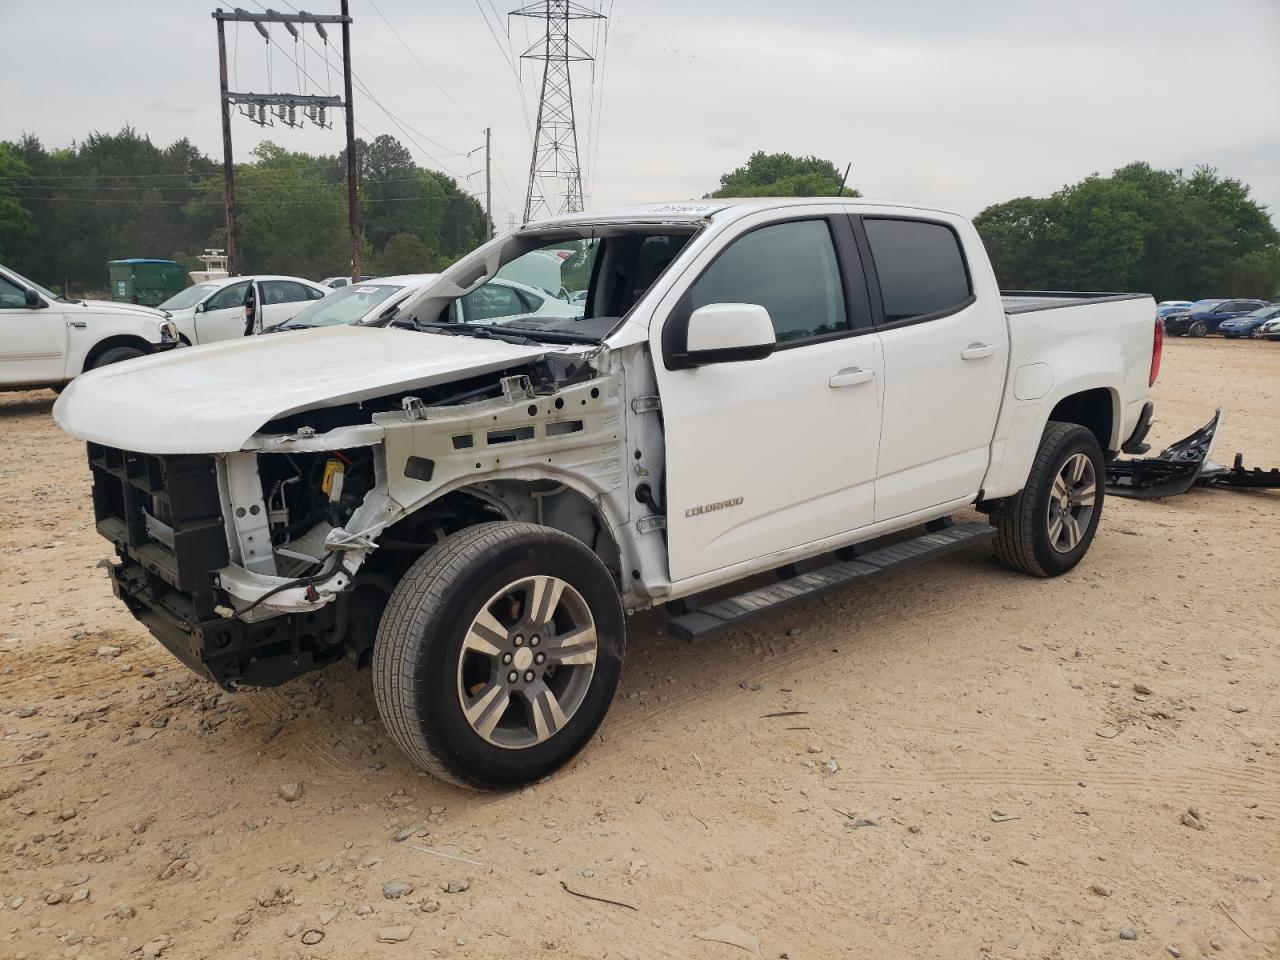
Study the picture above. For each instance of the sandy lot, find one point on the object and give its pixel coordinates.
(1029, 801)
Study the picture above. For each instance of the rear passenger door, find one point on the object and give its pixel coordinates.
(945, 357)
(281, 299)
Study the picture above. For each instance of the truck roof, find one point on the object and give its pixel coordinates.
(695, 211)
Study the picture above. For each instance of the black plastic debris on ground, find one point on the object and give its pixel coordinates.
(1184, 465)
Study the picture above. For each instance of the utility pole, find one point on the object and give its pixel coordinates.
(555, 141)
(488, 186)
(353, 200)
(228, 166)
(285, 108)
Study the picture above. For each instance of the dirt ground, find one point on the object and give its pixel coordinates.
(1026, 799)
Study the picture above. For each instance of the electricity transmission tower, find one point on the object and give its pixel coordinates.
(555, 175)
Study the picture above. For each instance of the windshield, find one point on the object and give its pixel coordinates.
(529, 294)
(189, 297)
(347, 304)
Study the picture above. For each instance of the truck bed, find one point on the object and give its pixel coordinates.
(1029, 301)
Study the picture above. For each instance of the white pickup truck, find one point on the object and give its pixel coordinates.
(753, 387)
(45, 340)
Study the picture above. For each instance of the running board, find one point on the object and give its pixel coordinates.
(701, 623)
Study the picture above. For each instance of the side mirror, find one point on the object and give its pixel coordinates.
(33, 299)
(726, 332)
(199, 307)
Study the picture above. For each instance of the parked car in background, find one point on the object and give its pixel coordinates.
(1206, 316)
(360, 303)
(1167, 308)
(1270, 330)
(238, 306)
(46, 340)
(336, 282)
(1250, 325)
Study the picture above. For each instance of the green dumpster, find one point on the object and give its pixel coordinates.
(145, 281)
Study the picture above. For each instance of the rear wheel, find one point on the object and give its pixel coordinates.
(116, 355)
(499, 654)
(1255, 333)
(1047, 528)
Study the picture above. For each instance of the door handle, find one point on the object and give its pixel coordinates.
(850, 377)
(78, 324)
(977, 351)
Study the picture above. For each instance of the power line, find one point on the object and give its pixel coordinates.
(421, 65)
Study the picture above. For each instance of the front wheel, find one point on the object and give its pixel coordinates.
(1199, 329)
(117, 355)
(499, 654)
(1047, 528)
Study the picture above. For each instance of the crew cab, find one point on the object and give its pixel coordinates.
(233, 307)
(46, 340)
(750, 388)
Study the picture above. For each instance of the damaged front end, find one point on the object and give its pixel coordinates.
(256, 566)
(1184, 465)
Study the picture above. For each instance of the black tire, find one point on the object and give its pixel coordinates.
(1198, 329)
(1023, 523)
(419, 649)
(115, 355)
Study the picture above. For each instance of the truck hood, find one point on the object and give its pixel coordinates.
(212, 399)
(111, 307)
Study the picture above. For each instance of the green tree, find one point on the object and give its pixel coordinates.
(16, 224)
(782, 175)
(1140, 229)
(404, 253)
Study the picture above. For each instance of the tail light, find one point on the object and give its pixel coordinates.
(1157, 348)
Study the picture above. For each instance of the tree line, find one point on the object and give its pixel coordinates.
(66, 212)
(1163, 232)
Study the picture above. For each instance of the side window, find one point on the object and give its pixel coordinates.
(283, 291)
(314, 294)
(491, 301)
(12, 296)
(531, 301)
(232, 295)
(920, 265)
(790, 269)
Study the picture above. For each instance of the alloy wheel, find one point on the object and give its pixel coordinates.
(1071, 502)
(526, 662)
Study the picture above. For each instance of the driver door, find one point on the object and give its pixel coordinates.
(223, 315)
(33, 340)
(767, 455)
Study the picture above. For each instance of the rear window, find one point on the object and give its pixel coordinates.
(921, 268)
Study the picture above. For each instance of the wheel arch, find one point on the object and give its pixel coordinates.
(110, 343)
(1097, 409)
(546, 498)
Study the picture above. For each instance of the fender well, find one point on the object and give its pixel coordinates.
(110, 343)
(1095, 410)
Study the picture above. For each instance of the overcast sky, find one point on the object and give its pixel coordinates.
(949, 103)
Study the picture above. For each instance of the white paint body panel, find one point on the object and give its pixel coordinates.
(944, 379)
(212, 400)
(49, 344)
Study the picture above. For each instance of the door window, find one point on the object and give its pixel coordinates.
(921, 268)
(491, 301)
(283, 291)
(232, 295)
(12, 296)
(791, 270)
